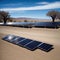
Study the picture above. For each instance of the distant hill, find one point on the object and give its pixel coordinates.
(22, 19)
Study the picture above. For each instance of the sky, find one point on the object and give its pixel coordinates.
(29, 8)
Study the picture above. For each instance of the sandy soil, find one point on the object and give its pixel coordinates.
(10, 51)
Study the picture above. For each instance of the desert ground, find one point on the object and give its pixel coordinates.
(10, 51)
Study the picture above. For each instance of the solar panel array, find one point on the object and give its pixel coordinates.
(48, 24)
(36, 24)
(28, 43)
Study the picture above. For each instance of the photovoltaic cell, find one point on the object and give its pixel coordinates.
(4, 38)
(9, 37)
(26, 41)
(45, 47)
(17, 39)
(33, 45)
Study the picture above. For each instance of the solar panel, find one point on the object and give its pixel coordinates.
(26, 41)
(33, 45)
(47, 24)
(20, 40)
(45, 47)
(9, 37)
(17, 40)
(13, 39)
(37, 24)
(4, 38)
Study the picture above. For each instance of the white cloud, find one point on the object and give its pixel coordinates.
(42, 3)
(53, 5)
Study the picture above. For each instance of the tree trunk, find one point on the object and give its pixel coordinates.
(53, 19)
(4, 21)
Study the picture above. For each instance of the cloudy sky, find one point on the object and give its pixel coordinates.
(29, 8)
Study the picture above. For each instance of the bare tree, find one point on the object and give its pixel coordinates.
(4, 16)
(0, 18)
(25, 21)
(58, 16)
(52, 14)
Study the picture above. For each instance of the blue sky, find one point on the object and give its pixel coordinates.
(29, 8)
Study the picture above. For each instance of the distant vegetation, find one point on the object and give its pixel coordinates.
(25, 21)
(54, 15)
(5, 16)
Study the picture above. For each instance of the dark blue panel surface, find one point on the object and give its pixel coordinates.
(9, 37)
(26, 41)
(45, 47)
(4, 38)
(47, 24)
(37, 24)
(17, 40)
(33, 45)
(13, 39)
